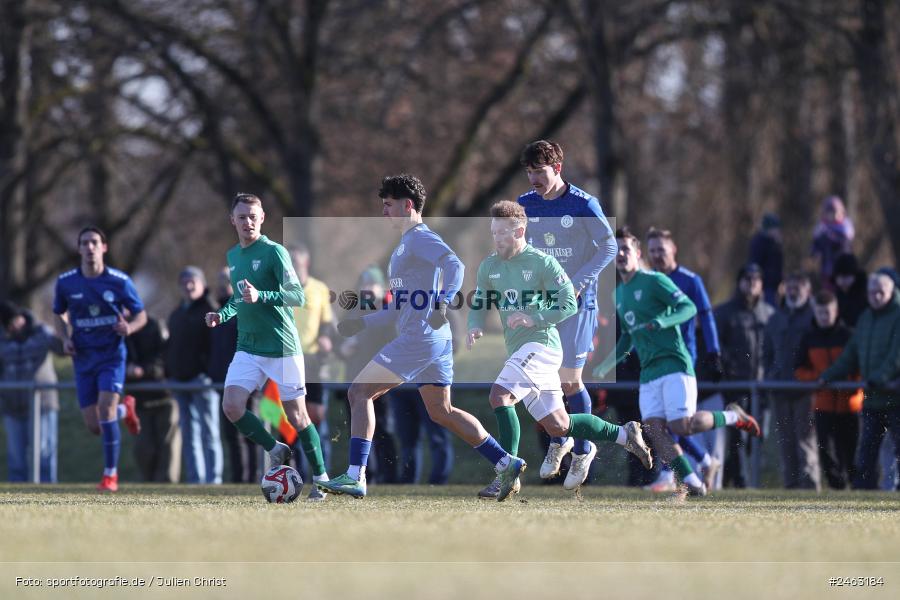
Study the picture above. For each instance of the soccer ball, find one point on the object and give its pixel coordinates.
(281, 484)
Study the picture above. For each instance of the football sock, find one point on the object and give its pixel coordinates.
(312, 448)
(682, 468)
(558, 440)
(491, 450)
(722, 418)
(691, 447)
(580, 403)
(622, 436)
(508, 426)
(322, 477)
(359, 456)
(252, 428)
(593, 428)
(109, 433)
(693, 480)
(120, 411)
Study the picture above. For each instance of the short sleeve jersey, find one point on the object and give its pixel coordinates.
(570, 228)
(414, 280)
(93, 305)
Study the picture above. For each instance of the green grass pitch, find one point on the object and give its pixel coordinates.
(442, 542)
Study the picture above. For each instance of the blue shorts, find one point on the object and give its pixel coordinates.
(576, 334)
(423, 361)
(104, 376)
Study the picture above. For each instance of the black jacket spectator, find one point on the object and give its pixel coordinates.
(187, 354)
(741, 336)
(26, 357)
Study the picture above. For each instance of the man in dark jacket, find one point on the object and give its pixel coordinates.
(766, 251)
(874, 350)
(837, 411)
(793, 411)
(25, 347)
(741, 325)
(157, 448)
(187, 360)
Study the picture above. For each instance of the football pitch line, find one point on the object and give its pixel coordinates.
(423, 541)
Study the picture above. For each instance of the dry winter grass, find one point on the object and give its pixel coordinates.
(444, 543)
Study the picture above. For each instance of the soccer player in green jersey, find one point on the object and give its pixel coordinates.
(266, 290)
(533, 293)
(651, 308)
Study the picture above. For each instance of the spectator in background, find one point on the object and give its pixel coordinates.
(849, 284)
(157, 448)
(766, 251)
(663, 251)
(837, 412)
(243, 455)
(357, 351)
(793, 411)
(187, 359)
(832, 236)
(25, 347)
(315, 326)
(874, 350)
(741, 325)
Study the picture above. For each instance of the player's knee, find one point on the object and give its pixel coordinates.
(439, 413)
(357, 395)
(233, 410)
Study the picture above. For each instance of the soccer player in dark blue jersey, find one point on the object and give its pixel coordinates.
(422, 352)
(91, 304)
(567, 223)
(662, 250)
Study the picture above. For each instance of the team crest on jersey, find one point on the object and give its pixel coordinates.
(527, 275)
(108, 296)
(638, 294)
(567, 221)
(549, 239)
(94, 310)
(401, 249)
(629, 318)
(511, 295)
(255, 264)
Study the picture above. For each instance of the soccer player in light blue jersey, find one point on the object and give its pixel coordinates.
(422, 352)
(568, 224)
(90, 306)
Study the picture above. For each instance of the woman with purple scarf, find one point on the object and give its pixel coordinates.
(832, 236)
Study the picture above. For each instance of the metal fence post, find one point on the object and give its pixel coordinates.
(755, 445)
(35, 433)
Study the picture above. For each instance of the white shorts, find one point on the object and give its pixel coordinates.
(531, 374)
(669, 397)
(250, 372)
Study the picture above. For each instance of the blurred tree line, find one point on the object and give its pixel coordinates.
(145, 116)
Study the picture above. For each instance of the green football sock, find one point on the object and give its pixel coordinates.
(312, 448)
(508, 426)
(682, 467)
(252, 428)
(718, 419)
(592, 427)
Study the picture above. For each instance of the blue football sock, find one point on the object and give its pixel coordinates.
(580, 403)
(491, 450)
(696, 451)
(359, 451)
(109, 433)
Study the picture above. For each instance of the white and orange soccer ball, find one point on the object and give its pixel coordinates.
(281, 484)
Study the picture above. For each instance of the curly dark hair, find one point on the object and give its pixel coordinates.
(404, 186)
(540, 154)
